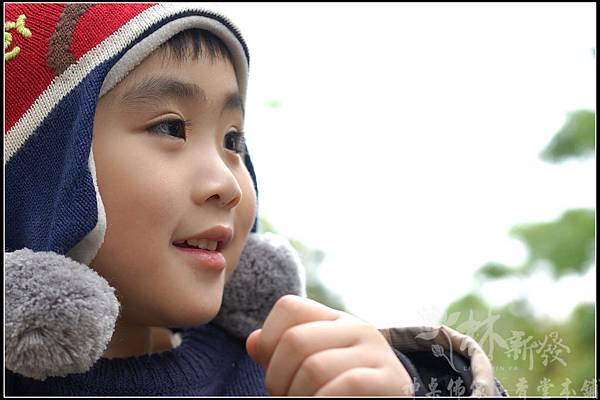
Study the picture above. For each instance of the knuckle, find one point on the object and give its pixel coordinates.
(287, 303)
(355, 381)
(365, 381)
(313, 368)
(293, 337)
(366, 330)
(377, 336)
(369, 329)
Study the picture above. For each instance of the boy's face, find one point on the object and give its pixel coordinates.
(158, 188)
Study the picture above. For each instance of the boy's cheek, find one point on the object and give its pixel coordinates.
(234, 256)
(245, 214)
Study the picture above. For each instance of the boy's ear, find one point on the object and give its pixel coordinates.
(269, 268)
(59, 315)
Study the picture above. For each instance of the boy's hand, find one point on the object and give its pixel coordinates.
(308, 349)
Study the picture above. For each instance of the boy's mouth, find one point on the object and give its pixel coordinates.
(210, 245)
(213, 239)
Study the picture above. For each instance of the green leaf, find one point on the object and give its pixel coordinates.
(576, 138)
(494, 270)
(273, 104)
(317, 291)
(567, 243)
(265, 226)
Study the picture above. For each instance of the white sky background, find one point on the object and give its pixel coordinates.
(407, 143)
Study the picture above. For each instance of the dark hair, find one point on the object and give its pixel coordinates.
(195, 43)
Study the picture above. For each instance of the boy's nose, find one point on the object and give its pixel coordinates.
(216, 182)
(224, 203)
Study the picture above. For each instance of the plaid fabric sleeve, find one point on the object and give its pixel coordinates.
(436, 369)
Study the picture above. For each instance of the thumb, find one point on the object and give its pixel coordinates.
(252, 345)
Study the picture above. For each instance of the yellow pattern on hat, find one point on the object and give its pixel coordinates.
(19, 26)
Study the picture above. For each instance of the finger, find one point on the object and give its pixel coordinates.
(355, 382)
(252, 345)
(289, 311)
(320, 368)
(302, 341)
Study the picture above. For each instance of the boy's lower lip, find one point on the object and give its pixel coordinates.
(205, 258)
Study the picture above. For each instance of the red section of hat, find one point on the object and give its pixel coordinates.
(99, 22)
(27, 75)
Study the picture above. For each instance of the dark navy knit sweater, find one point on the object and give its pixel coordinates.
(207, 362)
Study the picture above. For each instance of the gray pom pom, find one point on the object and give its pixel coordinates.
(269, 268)
(59, 315)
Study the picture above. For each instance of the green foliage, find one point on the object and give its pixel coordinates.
(317, 291)
(575, 139)
(265, 226)
(567, 243)
(529, 352)
(311, 259)
(493, 270)
(274, 104)
(527, 349)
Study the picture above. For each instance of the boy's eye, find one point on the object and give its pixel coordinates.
(171, 127)
(235, 141)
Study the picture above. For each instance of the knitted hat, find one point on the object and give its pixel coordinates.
(59, 60)
(57, 66)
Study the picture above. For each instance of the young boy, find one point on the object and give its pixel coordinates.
(125, 152)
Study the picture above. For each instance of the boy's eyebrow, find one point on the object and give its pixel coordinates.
(153, 89)
(233, 101)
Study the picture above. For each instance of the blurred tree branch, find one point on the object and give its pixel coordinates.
(567, 243)
(575, 139)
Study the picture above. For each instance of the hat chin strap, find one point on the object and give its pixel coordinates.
(88, 247)
(60, 314)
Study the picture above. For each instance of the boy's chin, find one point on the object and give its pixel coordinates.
(196, 317)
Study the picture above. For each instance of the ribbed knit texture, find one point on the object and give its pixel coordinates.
(209, 362)
(52, 86)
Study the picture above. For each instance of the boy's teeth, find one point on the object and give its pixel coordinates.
(203, 244)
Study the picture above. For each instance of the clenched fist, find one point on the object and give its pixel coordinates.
(309, 349)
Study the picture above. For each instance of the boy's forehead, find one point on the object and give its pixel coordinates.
(154, 89)
(198, 70)
(199, 80)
